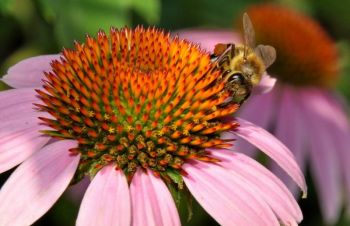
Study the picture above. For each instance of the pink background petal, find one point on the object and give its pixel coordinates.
(291, 130)
(273, 148)
(340, 132)
(324, 159)
(331, 108)
(341, 140)
(266, 85)
(265, 105)
(326, 106)
(208, 38)
(225, 196)
(107, 200)
(29, 72)
(37, 184)
(152, 203)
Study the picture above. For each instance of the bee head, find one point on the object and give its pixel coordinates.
(249, 64)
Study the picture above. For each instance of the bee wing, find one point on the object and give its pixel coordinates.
(249, 33)
(266, 53)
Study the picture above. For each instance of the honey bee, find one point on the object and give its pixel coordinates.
(242, 66)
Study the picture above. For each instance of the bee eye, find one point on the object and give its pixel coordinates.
(236, 78)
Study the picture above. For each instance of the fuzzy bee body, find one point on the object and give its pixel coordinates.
(242, 66)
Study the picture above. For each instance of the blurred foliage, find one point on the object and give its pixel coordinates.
(33, 27)
(334, 16)
(72, 19)
(64, 212)
(205, 13)
(343, 84)
(301, 5)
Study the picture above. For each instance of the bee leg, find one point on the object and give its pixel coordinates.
(231, 46)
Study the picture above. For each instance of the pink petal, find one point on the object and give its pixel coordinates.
(29, 72)
(273, 148)
(265, 105)
(341, 140)
(337, 102)
(152, 203)
(332, 108)
(291, 131)
(325, 161)
(37, 184)
(107, 200)
(340, 134)
(18, 146)
(209, 38)
(17, 105)
(18, 109)
(225, 196)
(19, 133)
(266, 185)
(266, 85)
(326, 106)
(17, 96)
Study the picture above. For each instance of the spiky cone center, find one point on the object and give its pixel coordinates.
(306, 55)
(136, 98)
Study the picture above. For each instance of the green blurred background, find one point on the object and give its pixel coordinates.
(33, 27)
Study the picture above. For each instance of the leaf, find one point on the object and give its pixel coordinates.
(176, 177)
(175, 193)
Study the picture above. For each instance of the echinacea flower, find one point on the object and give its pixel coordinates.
(302, 110)
(138, 112)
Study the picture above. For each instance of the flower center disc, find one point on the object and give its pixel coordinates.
(136, 98)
